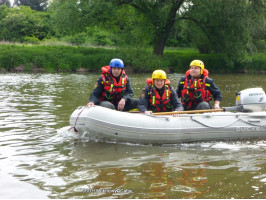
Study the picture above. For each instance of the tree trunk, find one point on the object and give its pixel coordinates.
(162, 34)
(163, 28)
(159, 41)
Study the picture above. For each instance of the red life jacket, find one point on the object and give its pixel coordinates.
(113, 91)
(159, 103)
(190, 87)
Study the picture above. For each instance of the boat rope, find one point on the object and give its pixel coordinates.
(74, 127)
(204, 124)
(195, 120)
(166, 118)
(263, 126)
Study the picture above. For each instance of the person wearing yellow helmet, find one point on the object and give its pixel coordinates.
(196, 89)
(196, 64)
(158, 95)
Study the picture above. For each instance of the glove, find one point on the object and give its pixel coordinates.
(198, 96)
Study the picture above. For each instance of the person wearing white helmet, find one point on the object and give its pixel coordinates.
(158, 95)
(196, 89)
(113, 89)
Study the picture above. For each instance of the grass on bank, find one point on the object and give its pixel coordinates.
(67, 58)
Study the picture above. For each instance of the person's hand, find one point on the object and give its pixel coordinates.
(216, 107)
(121, 104)
(148, 112)
(90, 104)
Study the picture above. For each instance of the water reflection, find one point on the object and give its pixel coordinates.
(183, 171)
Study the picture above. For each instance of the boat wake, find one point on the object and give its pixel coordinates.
(237, 145)
(68, 134)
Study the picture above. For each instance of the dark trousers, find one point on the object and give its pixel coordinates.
(130, 104)
(203, 106)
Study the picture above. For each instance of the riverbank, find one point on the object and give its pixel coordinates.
(64, 58)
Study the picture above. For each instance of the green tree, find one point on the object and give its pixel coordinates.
(3, 11)
(23, 22)
(218, 26)
(161, 14)
(125, 25)
(225, 27)
(101, 20)
(257, 11)
(149, 20)
(39, 5)
(5, 2)
(66, 17)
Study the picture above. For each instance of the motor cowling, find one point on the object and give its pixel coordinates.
(251, 100)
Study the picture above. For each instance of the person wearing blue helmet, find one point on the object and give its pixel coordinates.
(113, 89)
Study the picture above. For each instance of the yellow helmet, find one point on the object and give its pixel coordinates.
(158, 74)
(198, 63)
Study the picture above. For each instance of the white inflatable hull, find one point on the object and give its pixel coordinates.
(103, 123)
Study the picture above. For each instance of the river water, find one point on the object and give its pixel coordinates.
(40, 158)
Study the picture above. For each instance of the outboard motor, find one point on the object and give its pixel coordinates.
(251, 100)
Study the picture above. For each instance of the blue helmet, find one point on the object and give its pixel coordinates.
(116, 62)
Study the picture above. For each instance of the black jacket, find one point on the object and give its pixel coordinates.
(212, 88)
(99, 88)
(145, 97)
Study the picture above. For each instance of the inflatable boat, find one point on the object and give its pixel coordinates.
(245, 120)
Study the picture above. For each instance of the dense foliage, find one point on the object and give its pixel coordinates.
(21, 24)
(5, 2)
(39, 5)
(227, 27)
(233, 29)
(58, 58)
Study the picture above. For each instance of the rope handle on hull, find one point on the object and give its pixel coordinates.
(74, 127)
(188, 112)
(232, 122)
(204, 124)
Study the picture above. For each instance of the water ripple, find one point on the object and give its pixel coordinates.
(37, 149)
